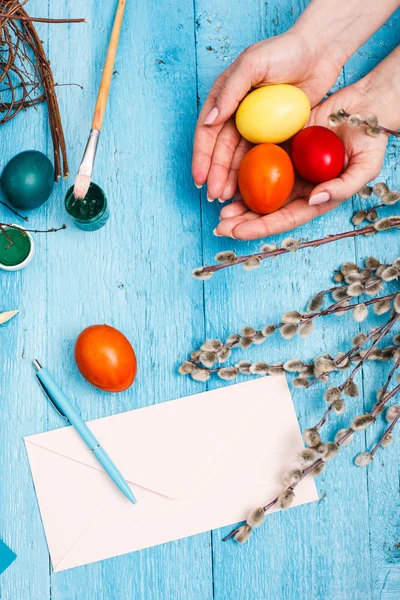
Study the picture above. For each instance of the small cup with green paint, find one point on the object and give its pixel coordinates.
(16, 248)
(92, 212)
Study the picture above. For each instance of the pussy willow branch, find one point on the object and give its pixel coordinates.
(305, 472)
(389, 379)
(331, 310)
(384, 400)
(385, 329)
(384, 434)
(394, 222)
(358, 280)
(319, 462)
(380, 127)
(355, 121)
(355, 348)
(337, 306)
(352, 355)
(266, 508)
(381, 190)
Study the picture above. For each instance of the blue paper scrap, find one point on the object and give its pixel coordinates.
(7, 557)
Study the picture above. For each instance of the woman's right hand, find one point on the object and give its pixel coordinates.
(294, 57)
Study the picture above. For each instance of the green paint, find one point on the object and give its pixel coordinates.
(91, 213)
(19, 251)
(88, 208)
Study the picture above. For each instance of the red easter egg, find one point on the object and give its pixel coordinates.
(317, 154)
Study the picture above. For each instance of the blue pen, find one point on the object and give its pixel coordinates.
(68, 412)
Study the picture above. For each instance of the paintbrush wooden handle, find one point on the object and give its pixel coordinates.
(108, 69)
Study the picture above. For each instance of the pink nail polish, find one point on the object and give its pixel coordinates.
(319, 198)
(215, 233)
(210, 199)
(212, 115)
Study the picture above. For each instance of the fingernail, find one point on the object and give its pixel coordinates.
(319, 198)
(219, 200)
(232, 236)
(216, 233)
(198, 186)
(212, 115)
(210, 199)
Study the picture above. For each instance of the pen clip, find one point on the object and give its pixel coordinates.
(50, 400)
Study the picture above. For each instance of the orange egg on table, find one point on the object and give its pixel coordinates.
(105, 358)
(266, 178)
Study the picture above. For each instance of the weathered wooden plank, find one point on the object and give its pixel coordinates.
(23, 407)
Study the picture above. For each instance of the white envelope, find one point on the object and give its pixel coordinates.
(194, 464)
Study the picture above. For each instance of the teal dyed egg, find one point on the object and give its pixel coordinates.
(28, 180)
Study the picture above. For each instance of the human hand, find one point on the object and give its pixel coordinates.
(293, 57)
(310, 56)
(364, 158)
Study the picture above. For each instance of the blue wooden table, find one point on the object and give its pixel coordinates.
(135, 274)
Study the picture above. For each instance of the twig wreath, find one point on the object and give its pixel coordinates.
(26, 77)
(26, 80)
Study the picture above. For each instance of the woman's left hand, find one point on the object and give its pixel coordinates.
(364, 159)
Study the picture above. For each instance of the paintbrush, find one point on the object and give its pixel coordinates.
(82, 181)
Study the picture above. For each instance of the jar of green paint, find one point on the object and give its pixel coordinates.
(16, 248)
(92, 212)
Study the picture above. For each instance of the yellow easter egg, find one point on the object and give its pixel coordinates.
(273, 113)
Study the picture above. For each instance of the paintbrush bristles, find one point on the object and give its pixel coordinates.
(81, 187)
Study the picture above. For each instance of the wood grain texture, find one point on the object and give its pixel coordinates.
(135, 274)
